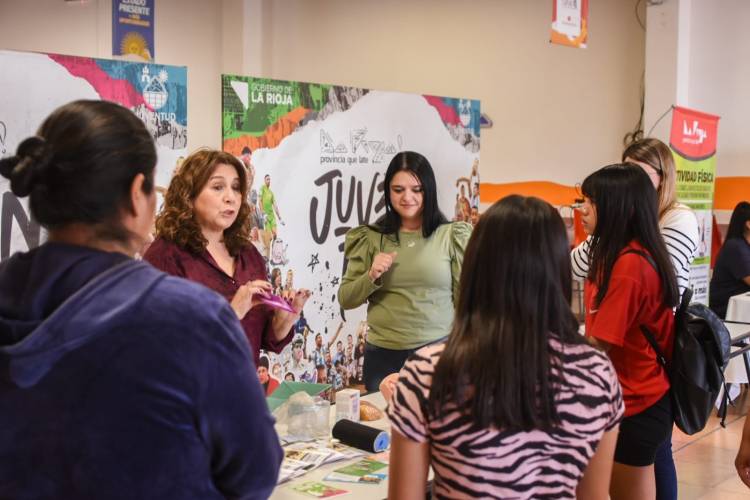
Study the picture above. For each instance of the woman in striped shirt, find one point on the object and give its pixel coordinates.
(515, 404)
(677, 222)
(679, 229)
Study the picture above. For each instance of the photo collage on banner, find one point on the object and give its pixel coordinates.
(318, 155)
(35, 84)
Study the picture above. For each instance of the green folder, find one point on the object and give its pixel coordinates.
(286, 389)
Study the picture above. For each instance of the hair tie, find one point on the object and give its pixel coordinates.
(24, 168)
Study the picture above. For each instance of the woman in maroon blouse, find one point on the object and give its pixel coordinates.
(202, 234)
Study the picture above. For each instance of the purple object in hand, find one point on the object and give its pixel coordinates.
(276, 302)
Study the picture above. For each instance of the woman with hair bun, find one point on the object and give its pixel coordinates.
(117, 380)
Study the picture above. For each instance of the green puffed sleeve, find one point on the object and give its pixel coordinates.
(356, 285)
(460, 234)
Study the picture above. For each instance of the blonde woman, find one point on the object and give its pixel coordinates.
(677, 222)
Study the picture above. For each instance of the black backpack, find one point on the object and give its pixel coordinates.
(699, 357)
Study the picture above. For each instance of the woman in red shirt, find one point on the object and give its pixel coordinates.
(203, 235)
(631, 283)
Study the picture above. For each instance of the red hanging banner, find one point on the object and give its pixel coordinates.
(693, 133)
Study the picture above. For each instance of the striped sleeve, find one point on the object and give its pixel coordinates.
(579, 260)
(408, 408)
(679, 228)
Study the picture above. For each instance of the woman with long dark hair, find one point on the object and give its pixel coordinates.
(631, 284)
(515, 404)
(117, 380)
(677, 222)
(679, 229)
(406, 267)
(732, 270)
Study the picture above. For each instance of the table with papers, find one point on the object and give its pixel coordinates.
(286, 490)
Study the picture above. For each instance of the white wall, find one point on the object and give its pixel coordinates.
(559, 112)
(719, 81)
(697, 54)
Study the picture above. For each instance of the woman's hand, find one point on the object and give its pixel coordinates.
(242, 301)
(297, 299)
(388, 386)
(381, 264)
(283, 321)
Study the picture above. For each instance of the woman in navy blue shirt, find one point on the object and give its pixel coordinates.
(732, 270)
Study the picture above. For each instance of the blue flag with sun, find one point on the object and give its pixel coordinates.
(133, 28)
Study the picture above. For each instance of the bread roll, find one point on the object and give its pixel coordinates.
(369, 412)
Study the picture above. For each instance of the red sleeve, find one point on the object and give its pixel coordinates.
(618, 311)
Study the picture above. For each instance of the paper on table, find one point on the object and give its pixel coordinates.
(362, 468)
(336, 451)
(318, 490)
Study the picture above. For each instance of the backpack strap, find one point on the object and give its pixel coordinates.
(643, 254)
(660, 357)
(687, 295)
(655, 346)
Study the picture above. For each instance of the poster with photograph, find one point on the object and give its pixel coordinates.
(35, 84)
(318, 155)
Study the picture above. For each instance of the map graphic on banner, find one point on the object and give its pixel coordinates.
(34, 84)
(693, 143)
(325, 149)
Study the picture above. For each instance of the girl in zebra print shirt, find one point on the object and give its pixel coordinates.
(514, 404)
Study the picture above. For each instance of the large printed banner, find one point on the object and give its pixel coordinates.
(319, 154)
(693, 142)
(34, 84)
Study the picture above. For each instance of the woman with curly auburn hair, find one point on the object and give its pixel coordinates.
(202, 234)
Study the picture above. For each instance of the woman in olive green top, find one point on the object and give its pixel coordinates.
(406, 267)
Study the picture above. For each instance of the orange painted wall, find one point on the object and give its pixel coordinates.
(556, 194)
(728, 192)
